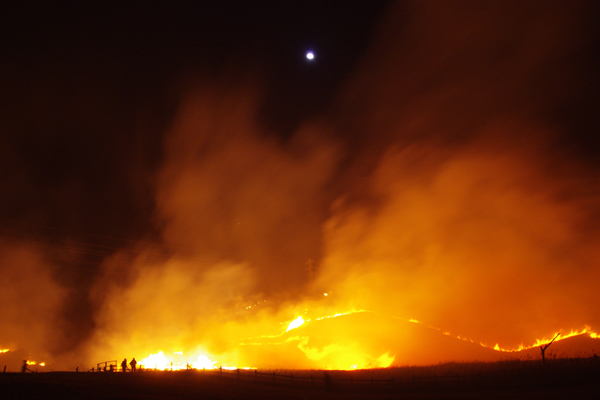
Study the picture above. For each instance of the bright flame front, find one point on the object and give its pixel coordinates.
(177, 361)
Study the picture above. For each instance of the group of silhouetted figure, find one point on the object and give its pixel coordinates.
(112, 367)
(132, 364)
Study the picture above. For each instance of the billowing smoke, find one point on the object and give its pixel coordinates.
(229, 191)
(470, 212)
(441, 189)
(241, 213)
(32, 305)
(480, 242)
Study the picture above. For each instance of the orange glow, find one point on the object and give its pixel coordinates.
(155, 361)
(341, 357)
(436, 231)
(341, 314)
(327, 341)
(540, 342)
(295, 323)
(161, 362)
(443, 209)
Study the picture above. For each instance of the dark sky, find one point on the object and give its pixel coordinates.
(87, 91)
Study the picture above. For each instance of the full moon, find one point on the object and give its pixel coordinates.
(310, 55)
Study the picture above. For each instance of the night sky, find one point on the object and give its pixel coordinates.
(89, 89)
(135, 132)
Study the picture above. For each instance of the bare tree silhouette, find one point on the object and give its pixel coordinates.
(543, 348)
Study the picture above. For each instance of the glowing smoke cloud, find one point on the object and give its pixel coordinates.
(467, 212)
(33, 302)
(453, 204)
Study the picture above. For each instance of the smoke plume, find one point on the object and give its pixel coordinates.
(470, 209)
(448, 185)
(32, 303)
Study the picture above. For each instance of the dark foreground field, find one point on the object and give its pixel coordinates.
(565, 380)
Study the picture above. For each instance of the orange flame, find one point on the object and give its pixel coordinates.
(197, 361)
(540, 342)
(295, 324)
(333, 355)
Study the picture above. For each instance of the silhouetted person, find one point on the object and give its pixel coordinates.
(124, 365)
(111, 368)
(24, 368)
(133, 363)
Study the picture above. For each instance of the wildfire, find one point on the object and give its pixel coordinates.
(300, 321)
(538, 342)
(541, 342)
(295, 323)
(4, 350)
(337, 356)
(178, 362)
(311, 347)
